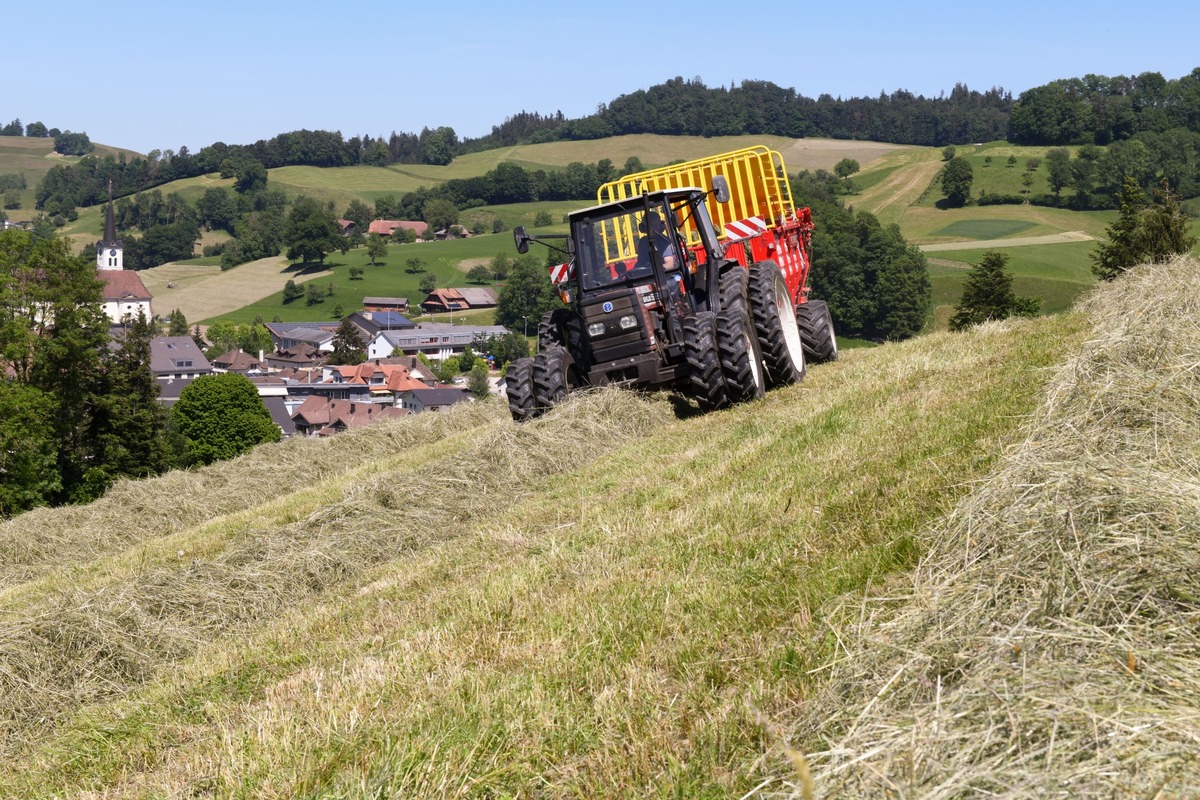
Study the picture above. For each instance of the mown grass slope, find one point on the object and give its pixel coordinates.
(1048, 644)
(604, 602)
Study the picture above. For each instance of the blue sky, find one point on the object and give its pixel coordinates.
(158, 75)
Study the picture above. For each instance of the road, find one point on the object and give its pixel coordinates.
(1018, 241)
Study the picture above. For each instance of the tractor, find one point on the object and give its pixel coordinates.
(657, 297)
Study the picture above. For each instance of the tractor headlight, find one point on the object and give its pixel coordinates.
(596, 329)
(627, 322)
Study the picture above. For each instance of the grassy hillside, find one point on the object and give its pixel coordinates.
(33, 158)
(604, 602)
(1047, 643)
(623, 599)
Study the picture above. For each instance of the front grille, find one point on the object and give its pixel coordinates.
(615, 342)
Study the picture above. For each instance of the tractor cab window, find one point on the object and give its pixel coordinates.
(621, 245)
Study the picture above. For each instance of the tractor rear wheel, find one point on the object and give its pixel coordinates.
(775, 324)
(705, 382)
(816, 331)
(737, 342)
(518, 382)
(550, 385)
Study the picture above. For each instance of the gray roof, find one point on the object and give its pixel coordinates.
(439, 397)
(478, 296)
(170, 354)
(433, 334)
(280, 415)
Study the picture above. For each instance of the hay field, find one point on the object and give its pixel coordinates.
(1048, 644)
(201, 292)
(606, 602)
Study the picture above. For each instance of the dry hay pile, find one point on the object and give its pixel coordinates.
(133, 511)
(85, 639)
(1051, 645)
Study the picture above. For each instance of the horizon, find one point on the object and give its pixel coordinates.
(274, 69)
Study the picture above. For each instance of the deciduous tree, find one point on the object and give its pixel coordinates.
(376, 248)
(439, 214)
(956, 179)
(845, 168)
(527, 293)
(311, 231)
(222, 416)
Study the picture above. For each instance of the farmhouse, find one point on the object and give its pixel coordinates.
(371, 305)
(446, 300)
(387, 227)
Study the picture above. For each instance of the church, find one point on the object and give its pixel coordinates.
(124, 294)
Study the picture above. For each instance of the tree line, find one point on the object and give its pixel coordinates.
(1093, 109)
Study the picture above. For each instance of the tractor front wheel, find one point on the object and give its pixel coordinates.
(705, 381)
(550, 385)
(518, 383)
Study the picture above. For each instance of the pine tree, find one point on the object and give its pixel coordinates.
(348, 348)
(988, 294)
(1162, 231)
(131, 424)
(1122, 250)
(178, 325)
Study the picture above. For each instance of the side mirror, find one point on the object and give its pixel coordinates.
(721, 188)
(521, 239)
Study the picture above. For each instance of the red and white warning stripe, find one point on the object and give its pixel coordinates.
(744, 228)
(559, 273)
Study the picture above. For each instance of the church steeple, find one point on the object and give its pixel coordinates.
(110, 252)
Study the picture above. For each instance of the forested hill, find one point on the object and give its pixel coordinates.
(1091, 110)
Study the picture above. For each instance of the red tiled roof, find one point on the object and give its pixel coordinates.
(122, 284)
(341, 414)
(386, 227)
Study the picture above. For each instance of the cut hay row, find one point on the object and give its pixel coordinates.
(1050, 646)
(80, 642)
(609, 629)
(46, 539)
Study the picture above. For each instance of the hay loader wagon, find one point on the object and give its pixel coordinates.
(691, 277)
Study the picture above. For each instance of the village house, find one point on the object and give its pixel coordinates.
(437, 341)
(238, 361)
(369, 382)
(177, 357)
(273, 391)
(462, 299)
(387, 227)
(321, 416)
(420, 400)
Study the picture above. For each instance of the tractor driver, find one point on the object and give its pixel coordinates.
(656, 236)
